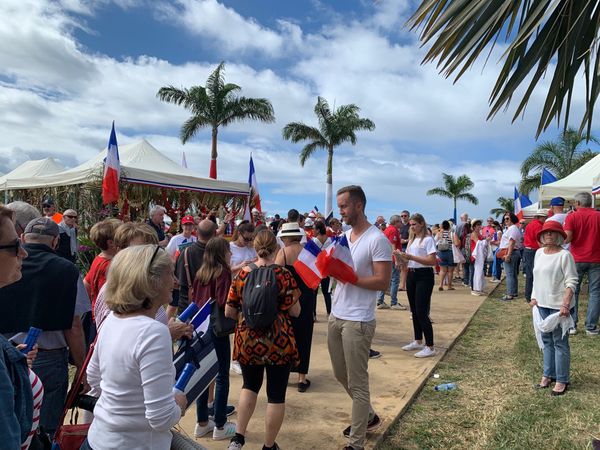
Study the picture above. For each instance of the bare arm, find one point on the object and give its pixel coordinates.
(231, 312)
(380, 280)
(294, 311)
(569, 236)
(76, 343)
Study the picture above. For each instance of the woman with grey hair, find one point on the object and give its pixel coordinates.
(554, 282)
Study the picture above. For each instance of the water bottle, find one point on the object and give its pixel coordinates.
(184, 378)
(445, 387)
(31, 339)
(188, 313)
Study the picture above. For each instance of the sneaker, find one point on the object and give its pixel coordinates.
(275, 447)
(226, 432)
(466, 285)
(477, 293)
(234, 446)
(372, 425)
(203, 430)
(426, 353)
(382, 305)
(228, 411)
(374, 354)
(414, 345)
(235, 367)
(398, 307)
(572, 331)
(593, 332)
(495, 280)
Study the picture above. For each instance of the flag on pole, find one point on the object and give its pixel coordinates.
(183, 160)
(306, 266)
(337, 262)
(518, 209)
(548, 177)
(254, 195)
(525, 201)
(112, 170)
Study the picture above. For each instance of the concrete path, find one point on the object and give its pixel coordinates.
(315, 419)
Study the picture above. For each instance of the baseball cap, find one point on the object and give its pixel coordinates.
(43, 226)
(557, 201)
(187, 220)
(48, 202)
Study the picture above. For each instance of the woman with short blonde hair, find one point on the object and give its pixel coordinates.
(132, 363)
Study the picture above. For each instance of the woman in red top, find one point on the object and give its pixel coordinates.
(272, 350)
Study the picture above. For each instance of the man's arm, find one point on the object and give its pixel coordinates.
(76, 341)
(380, 280)
(569, 236)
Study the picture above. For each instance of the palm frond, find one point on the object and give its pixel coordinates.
(308, 150)
(468, 197)
(243, 108)
(440, 191)
(530, 183)
(298, 131)
(191, 126)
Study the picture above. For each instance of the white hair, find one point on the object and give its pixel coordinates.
(584, 199)
(24, 213)
(156, 209)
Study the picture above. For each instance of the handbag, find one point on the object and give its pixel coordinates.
(221, 325)
(457, 255)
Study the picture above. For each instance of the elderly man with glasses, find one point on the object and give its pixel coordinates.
(67, 244)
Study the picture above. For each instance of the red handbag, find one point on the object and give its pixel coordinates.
(70, 436)
(501, 254)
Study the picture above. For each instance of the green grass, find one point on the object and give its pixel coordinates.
(495, 363)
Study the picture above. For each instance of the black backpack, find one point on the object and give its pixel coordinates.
(259, 302)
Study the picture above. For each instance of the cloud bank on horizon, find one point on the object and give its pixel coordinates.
(70, 67)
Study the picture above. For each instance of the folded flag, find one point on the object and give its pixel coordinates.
(306, 266)
(337, 262)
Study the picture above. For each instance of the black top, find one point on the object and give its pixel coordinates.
(44, 297)
(159, 231)
(195, 255)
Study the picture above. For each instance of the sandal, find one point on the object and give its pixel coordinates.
(556, 393)
(302, 387)
(451, 289)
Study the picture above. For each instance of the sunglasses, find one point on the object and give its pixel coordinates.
(16, 245)
(154, 256)
(403, 215)
(72, 217)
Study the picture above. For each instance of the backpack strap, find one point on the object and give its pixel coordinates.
(253, 266)
(188, 275)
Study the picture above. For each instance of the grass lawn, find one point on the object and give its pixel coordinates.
(495, 364)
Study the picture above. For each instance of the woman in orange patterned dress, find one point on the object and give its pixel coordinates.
(273, 350)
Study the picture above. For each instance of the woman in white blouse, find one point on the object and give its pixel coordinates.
(132, 363)
(554, 282)
(420, 257)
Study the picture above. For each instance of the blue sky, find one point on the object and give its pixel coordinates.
(70, 67)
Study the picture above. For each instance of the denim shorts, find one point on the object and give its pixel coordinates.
(446, 258)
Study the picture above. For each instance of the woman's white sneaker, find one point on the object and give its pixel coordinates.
(227, 432)
(414, 345)
(426, 352)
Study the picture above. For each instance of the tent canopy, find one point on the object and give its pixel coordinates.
(581, 180)
(141, 163)
(29, 169)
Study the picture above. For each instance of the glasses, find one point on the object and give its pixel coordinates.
(403, 215)
(16, 245)
(248, 239)
(153, 257)
(72, 217)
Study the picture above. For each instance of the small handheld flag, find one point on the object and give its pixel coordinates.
(306, 266)
(337, 262)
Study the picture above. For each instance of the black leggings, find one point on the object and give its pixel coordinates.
(326, 294)
(277, 380)
(419, 287)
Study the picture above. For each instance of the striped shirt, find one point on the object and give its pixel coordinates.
(38, 394)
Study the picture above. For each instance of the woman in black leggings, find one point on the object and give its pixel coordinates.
(420, 258)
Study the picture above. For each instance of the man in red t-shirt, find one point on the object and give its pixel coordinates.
(531, 244)
(583, 233)
(392, 232)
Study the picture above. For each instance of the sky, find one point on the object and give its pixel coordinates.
(68, 68)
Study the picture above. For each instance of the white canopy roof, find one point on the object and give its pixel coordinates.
(28, 170)
(579, 181)
(140, 163)
(596, 185)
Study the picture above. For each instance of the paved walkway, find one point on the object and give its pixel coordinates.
(315, 419)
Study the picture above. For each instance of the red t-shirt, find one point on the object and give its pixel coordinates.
(585, 225)
(96, 277)
(531, 231)
(393, 235)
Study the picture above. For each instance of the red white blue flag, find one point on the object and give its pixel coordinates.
(255, 196)
(112, 170)
(518, 209)
(337, 262)
(306, 265)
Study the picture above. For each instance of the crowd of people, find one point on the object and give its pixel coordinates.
(143, 278)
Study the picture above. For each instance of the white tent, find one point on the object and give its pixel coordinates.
(141, 163)
(529, 211)
(579, 181)
(596, 185)
(29, 169)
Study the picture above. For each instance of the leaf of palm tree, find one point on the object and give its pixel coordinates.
(530, 183)
(468, 197)
(191, 126)
(440, 191)
(242, 108)
(308, 150)
(171, 94)
(298, 131)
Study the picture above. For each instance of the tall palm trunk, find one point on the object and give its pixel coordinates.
(455, 222)
(329, 184)
(213, 154)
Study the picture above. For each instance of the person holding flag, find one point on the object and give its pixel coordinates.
(351, 324)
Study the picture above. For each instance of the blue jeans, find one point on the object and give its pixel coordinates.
(394, 283)
(528, 261)
(223, 350)
(52, 367)
(512, 276)
(593, 310)
(557, 354)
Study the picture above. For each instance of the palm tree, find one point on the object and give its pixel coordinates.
(561, 157)
(506, 205)
(546, 40)
(456, 189)
(213, 106)
(334, 129)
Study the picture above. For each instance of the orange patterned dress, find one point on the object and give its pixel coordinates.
(275, 346)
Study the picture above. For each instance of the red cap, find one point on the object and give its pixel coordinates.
(187, 220)
(552, 225)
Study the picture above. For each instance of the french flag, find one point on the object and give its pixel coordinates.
(112, 170)
(518, 209)
(254, 186)
(337, 262)
(306, 265)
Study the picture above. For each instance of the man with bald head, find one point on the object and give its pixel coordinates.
(193, 255)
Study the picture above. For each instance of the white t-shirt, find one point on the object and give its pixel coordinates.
(132, 366)
(351, 302)
(513, 233)
(421, 247)
(178, 240)
(552, 275)
(239, 254)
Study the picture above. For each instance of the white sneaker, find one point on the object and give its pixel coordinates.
(227, 432)
(235, 367)
(414, 345)
(477, 293)
(398, 307)
(203, 430)
(425, 353)
(572, 331)
(383, 305)
(494, 280)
